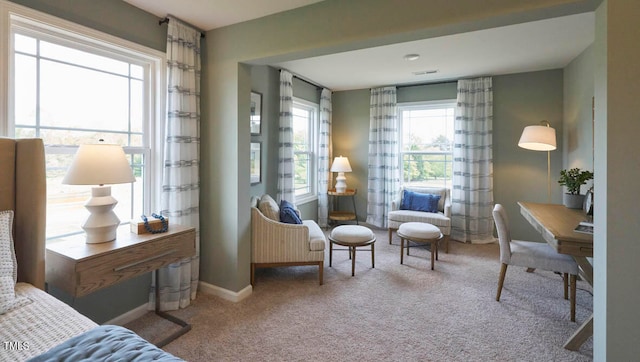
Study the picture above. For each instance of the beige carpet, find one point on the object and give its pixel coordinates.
(391, 313)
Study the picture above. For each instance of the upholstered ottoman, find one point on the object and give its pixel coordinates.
(352, 236)
(420, 232)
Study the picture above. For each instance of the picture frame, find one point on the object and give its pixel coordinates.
(255, 162)
(255, 117)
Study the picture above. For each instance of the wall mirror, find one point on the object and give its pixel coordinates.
(256, 113)
(255, 155)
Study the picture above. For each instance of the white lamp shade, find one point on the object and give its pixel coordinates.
(99, 164)
(340, 164)
(538, 138)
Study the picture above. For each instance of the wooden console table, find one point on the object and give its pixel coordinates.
(556, 223)
(79, 268)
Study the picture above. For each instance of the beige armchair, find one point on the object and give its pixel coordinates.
(441, 219)
(276, 244)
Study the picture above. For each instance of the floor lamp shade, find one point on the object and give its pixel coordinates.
(100, 164)
(540, 138)
(341, 165)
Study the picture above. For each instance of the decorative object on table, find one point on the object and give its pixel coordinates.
(256, 113)
(100, 164)
(255, 156)
(573, 179)
(159, 224)
(588, 204)
(341, 165)
(540, 138)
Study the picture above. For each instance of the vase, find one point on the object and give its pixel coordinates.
(573, 201)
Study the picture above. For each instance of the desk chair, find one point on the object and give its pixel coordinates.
(534, 255)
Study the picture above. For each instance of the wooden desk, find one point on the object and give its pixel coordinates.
(556, 224)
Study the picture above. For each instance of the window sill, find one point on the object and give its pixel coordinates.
(305, 199)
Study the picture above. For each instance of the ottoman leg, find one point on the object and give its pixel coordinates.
(432, 253)
(373, 259)
(353, 261)
(401, 251)
(330, 253)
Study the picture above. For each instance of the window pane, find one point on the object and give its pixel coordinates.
(75, 138)
(25, 44)
(302, 180)
(25, 90)
(74, 97)
(79, 57)
(137, 71)
(137, 105)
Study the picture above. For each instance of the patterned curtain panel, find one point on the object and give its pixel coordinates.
(472, 194)
(181, 180)
(324, 157)
(285, 141)
(384, 171)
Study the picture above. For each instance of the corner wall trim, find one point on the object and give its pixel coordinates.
(129, 316)
(225, 293)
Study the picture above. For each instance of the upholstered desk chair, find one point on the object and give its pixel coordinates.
(534, 255)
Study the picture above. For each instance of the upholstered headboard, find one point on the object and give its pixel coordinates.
(23, 190)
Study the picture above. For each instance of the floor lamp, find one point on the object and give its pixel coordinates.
(540, 138)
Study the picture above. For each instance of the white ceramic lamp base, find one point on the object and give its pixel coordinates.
(102, 224)
(341, 183)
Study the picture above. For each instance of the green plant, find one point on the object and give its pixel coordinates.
(573, 179)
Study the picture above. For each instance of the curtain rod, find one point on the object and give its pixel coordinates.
(318, 86)
(421, 84)
(166, 19)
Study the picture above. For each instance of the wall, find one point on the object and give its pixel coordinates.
(117, 18)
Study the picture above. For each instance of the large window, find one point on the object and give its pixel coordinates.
(427, 143)
(71, 90)
(305, 115)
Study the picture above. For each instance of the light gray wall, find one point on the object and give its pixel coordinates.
(117, 18)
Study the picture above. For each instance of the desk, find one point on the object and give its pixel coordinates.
(556, 224)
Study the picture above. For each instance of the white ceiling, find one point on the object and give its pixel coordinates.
(539, 45)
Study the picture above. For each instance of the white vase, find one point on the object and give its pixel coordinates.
(573, 201)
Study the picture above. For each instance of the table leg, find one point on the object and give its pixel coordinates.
(186, 327)
(582, 334)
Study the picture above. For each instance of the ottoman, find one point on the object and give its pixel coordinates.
(420, 232)
(352, 236)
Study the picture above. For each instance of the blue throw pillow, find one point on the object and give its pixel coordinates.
(424, 202)
(288, 213)
(405, 204)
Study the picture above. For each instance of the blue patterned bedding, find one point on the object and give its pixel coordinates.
(106, 343)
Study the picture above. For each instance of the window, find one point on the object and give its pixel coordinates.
(305, 115)
(426, 141)
(71, 89)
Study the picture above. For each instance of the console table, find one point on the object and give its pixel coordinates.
(79, 268)
(342, 215)
(556, 223)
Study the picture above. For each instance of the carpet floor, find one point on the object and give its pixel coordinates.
(391, 312)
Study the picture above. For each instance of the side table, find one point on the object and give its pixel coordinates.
(337, 215)
(79, 268)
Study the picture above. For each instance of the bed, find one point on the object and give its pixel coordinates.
(33, 324)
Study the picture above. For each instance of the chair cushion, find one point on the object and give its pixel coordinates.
(8, 266)
(418, 201)
(269, 207)
(541, 256)
(288, 213)
(317, 239)
(402, 216)
(419, 230)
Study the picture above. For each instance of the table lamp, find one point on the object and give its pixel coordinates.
(540, 138)
(341, 165)
(100, 164)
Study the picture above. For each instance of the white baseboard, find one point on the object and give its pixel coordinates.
(129, 316)
(225, 293)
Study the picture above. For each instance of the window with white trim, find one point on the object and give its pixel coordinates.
(70, 88)
(305, 121)
(426, 143)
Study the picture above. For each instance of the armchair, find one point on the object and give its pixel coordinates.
(441, 219)
(276, 244)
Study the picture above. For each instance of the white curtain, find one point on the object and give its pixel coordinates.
(180, 182)
(285, 140)
(384, 171)
(324, 157)
(472, 194)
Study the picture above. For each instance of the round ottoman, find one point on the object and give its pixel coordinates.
(420, 232)
(352, 236)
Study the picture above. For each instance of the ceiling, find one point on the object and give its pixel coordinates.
(539, 45)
